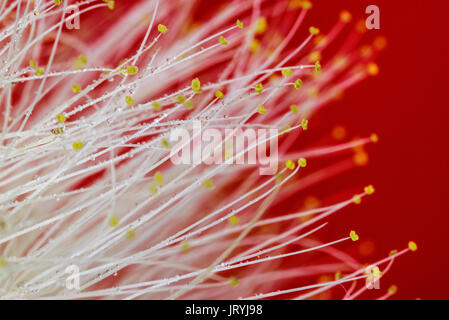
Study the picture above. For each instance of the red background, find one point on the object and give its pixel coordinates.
(407, 105)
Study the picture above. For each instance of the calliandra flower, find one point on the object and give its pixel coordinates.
(86, 179)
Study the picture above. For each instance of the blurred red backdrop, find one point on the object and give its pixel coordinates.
(408, 107)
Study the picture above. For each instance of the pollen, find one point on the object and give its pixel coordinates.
(345, 16)
(113, 221)
(162, 29)
(372, 69)
(156, 105)
(354, 236)
(393, 289)
(305, 124)
(290, 164)
(233, 281)
(298, 84)
(356, 199)
(374, 138)
(287, 72)
(376, 272)
(258, 88)
(165, 143)
(196, 85)
(208, 184)
(111, 5)
(369, 189)
(185, 246)
(239, 24)
(412, 246)
(130, 234)
(261, 25)
(57, 2)
(153, 189)
(219, 94)
(33, 64)
(78, 145)
(80, 62)
(393, 253)
(2, 262)
(61, 118)
(302, 162)
(76, 88)
(338, 275)
(223, 40)
(130, 101)
(314, 31)
(294, 108)
(39, 71)
(132, 70)
(159, 178)
(181, 98)
(317, 66)
(261, 109)
(234, 220)
(254, 45)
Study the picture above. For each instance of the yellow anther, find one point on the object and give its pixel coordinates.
(412, 246)
(314, 31)
(80, 62)
(113, 221)
(261, 25)
(185, 246)
(159, 178)
(376, 272)
(156, 105)
(36, 13)
(208, 184)
(357, 199)
(39, 71)
(196, 86)
(305, 124)
(287, 72)
(261, 109)
(223, 40)
(254, 45)
(153, 189)
(77, 145)
(165, 143)
(234, 220)
(57, 130)
(317, 66)
(132, 70)
(374, 138)
(219, 94)
(130, 101)
(57, 2)
(354, 236)
(294, 108)
(393, 289)
(181, 98)
(372, 69)
(233, 281)
(162, 29)
(61, 118)
(338, 275)
(239, 24)
(258, 88)
(369, 189)
(76, 88)
(130, 234)
(290, 164)
(111, 5)
(393, 253)
(2, 262)
(302, 162)
(33, 64)
(345, 16)
(298, 84)
(287, 128)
